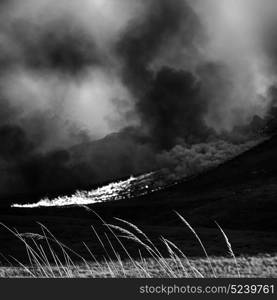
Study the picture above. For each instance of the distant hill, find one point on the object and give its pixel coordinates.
(240, 194)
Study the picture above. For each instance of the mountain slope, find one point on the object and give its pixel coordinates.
(242, 193)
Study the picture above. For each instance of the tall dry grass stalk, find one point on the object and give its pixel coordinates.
(49, 258)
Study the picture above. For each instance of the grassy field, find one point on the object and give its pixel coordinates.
(127, 251)
(249, 266)
(182, 250)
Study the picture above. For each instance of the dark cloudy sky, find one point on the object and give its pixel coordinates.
(162, 73)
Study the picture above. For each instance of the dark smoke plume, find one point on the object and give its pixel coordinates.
(92, 91)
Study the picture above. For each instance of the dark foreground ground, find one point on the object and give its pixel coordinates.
(240, 195)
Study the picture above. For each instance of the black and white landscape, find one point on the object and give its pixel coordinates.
(129, 127)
